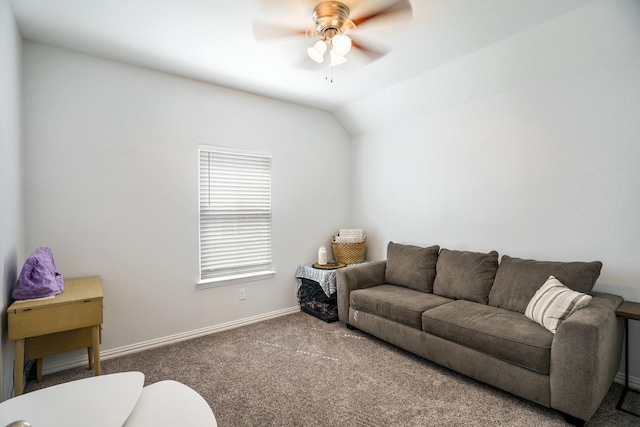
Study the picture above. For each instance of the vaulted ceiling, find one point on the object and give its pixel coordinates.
(214, 41)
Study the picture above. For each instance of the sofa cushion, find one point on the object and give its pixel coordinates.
(410, 266)
(465, 275)
(517, 280)
(504, 334)
(400, 304)
(553, 303)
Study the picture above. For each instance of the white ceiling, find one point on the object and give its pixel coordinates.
(213, 40)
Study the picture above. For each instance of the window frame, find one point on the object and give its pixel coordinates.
(228, 279)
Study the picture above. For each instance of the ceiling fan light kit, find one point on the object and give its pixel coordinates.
(332, 20)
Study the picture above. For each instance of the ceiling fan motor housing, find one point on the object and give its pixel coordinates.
(331, 18)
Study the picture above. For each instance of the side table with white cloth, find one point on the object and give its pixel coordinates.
(317, 292)
(315, 284)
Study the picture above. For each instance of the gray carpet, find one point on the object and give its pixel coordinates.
(296, 370)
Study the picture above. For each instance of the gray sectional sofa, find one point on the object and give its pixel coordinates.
(466, 311)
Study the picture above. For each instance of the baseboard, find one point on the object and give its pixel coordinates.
(73, 362)
(634, 382)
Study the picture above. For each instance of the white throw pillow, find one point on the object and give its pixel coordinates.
(553, 303)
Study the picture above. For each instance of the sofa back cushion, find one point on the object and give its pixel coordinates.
(410, 266)
(465, 275)
(517, 280)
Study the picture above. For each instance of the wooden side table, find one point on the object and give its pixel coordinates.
(627, 310)
(69, 321)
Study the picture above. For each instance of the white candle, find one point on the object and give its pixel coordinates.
(322, 256)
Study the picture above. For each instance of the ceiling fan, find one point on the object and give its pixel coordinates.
(335, 28)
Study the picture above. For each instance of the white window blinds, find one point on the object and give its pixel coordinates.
(235, 214)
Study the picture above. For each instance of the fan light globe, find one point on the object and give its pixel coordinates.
(341, 44)
(316, 52)
(336, 59)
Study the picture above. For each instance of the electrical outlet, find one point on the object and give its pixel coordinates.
(242, 294)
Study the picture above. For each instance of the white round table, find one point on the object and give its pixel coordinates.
(105, 400)
(110, 401)
(170, 403)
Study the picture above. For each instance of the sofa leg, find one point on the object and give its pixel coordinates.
(350, 326)
(574, 421)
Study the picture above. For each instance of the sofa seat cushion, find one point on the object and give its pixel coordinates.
(397, 303)
(504, 334)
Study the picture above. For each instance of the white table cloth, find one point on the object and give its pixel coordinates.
(325, 278)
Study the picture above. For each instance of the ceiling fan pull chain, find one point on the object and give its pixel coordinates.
(326, 64)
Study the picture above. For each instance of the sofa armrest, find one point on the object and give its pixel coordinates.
(585, 356)
(357, 277)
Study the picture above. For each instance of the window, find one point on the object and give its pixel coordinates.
(235, 216)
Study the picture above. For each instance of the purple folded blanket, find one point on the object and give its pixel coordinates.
(39, 277)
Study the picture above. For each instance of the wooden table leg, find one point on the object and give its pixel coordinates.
(18, 371)
(39, 369)
(95, 347)
(90, 357)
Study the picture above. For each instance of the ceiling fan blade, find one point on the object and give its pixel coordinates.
(397, 8)
(372, 54)
(265, 31)
(305, 63)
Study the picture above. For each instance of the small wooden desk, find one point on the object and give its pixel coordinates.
(69, 321)
(627, 310)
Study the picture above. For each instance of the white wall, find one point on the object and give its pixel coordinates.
(11, 215)
(111, 187)
(543, 163)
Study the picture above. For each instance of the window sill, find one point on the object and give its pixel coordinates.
(231, 280)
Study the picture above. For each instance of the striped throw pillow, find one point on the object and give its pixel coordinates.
(553, 303)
